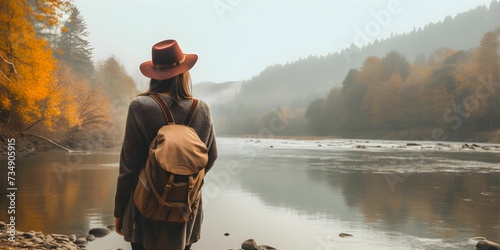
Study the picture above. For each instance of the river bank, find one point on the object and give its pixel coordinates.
(15, 239)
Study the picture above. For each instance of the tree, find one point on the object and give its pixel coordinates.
(88, 110)
(394, 62)
(350, 79)
(29, 92)
(370, 76)
(316, 119)
(487, 61)
(73, 47)
(118, 87)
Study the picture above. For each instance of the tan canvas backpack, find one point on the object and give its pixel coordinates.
(169, 187)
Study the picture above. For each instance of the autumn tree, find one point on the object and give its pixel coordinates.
(89, 108)
(28, 87)
(478, 80)
(370, 75)
(118, 87)
(394, 62)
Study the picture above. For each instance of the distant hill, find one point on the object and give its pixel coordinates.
(215, 94)
(295, 85)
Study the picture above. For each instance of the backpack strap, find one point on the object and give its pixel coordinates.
(164, 108)
(190, 114)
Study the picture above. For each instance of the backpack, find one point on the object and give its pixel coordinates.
(169, 186)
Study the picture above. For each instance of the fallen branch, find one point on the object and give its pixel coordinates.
(52, 142)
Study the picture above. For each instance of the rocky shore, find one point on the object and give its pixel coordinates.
(38, 240)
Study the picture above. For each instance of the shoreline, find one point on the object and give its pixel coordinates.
(36, 240)
(404, 135)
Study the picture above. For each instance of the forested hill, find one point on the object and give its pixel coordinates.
(295, 85)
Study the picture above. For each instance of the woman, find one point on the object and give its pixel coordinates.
(170, 78)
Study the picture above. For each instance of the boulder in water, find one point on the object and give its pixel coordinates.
(99, 232)
(487, 245)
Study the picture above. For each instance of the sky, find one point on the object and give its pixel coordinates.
(237, 39)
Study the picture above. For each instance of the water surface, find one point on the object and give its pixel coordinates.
(291, 195)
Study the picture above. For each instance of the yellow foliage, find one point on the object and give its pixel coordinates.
(30, 93)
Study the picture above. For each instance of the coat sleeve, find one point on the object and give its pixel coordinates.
(207, 131)
(133, 156)
(212, 148)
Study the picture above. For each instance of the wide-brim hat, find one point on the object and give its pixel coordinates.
(168, 61)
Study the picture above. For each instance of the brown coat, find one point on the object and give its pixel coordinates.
(143, 122)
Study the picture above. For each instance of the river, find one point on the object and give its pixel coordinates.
(290, 194)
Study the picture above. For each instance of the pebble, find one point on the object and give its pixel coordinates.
(80, 241)
(90, 237)
(250, 244)
(342, 235)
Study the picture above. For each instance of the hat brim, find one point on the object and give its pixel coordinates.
(148, 70)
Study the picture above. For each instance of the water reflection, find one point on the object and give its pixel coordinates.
(307, 192)
(450, 205)
(80, 199)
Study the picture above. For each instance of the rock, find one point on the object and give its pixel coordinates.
(111, 227)
(487, 245)
(413, 144)
(90, 237)
(49, 237)
(80, 241)
(37, 240)
(58, 236)
(3, 226)
(249, 244)
(342, 235)
(28, 244)
(72, 238)
(226, 234)
(50, 245)
(99, 232)
(29, 235)
(70, 246)
(62, 239)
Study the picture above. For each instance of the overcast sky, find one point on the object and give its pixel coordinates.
(236, 39)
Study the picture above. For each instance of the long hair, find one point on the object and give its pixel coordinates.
(178, 87)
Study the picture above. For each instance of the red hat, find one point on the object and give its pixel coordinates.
(168, 61)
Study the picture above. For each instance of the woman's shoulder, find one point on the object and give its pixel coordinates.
(141, 103)
(203, 105)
